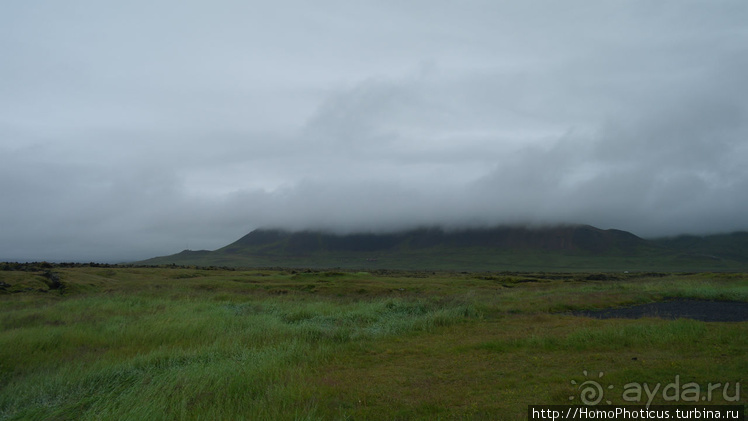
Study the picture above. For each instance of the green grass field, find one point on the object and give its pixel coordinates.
(470, 259)
(196, 344)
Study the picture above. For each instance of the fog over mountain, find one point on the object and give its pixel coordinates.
(135, 129)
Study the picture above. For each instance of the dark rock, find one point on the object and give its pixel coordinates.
(53, 280)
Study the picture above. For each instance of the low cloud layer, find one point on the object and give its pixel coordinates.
(150, 128)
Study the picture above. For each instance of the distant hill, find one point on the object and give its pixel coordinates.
(562, 238)
(557, 248)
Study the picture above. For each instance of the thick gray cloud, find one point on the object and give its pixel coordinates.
(142, 128)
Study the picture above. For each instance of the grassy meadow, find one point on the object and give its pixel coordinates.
(126, 343)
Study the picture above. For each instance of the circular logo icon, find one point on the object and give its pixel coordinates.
(591, 392)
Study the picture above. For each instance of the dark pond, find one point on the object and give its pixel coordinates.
(707, 311)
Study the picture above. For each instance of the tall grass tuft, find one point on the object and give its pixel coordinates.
(130, 357)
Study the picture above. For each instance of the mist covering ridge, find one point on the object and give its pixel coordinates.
(550, 237)
(565, 247)
(178, 135)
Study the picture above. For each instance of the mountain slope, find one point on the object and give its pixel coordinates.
(562, 238)
(558, 248)
(720, 246)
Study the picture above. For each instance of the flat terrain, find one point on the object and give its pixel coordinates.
(132, 343)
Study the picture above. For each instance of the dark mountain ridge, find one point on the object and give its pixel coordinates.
(559, 238)
(549, 248)
(562, 247)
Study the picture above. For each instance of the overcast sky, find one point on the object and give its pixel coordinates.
(140, 128)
